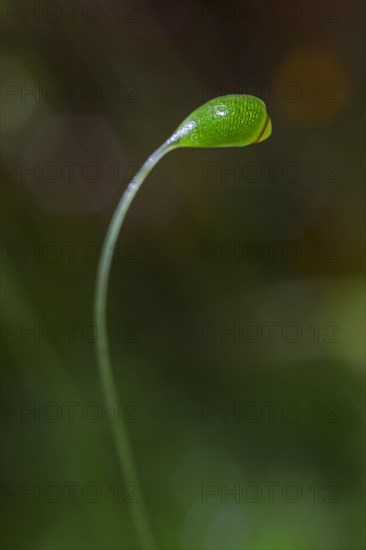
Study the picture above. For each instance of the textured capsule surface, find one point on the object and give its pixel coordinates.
(227, 121)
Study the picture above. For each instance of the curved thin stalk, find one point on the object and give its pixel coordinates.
(119, 431)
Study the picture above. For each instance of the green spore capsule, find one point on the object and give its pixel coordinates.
(227, 121)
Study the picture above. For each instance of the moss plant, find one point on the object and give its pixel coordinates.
(227, 121)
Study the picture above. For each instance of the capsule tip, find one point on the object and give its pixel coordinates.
(266, 130)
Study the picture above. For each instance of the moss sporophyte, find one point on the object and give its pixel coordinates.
(228, 121)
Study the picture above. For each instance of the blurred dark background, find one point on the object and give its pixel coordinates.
(236, 305)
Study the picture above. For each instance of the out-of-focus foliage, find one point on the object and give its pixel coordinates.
(237, 288)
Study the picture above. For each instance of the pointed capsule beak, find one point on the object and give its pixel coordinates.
(266, 131)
